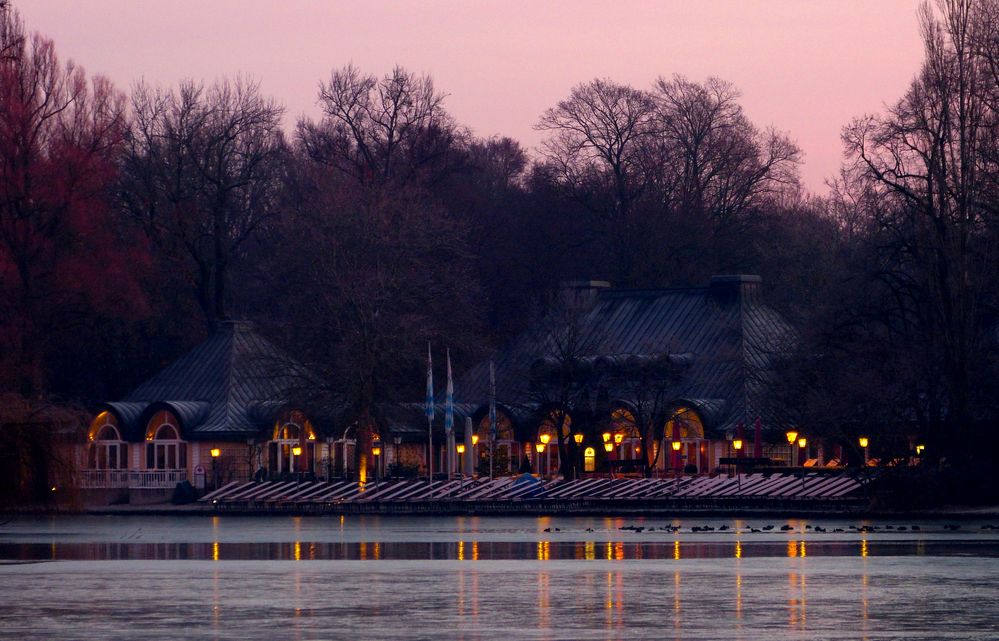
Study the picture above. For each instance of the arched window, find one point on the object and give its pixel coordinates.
(548, 461)
(164, 448)
(106, 449)
(589, 460)
(292, 433)
(627, 438)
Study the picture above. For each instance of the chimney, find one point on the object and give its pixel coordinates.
(734, 289)
(580, 294)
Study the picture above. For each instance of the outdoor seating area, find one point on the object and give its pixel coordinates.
(319, 496)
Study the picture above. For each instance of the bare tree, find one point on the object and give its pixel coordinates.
(597, 151)
(927, 159)
(202, 172)
(376, 130)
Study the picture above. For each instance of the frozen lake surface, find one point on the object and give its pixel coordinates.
(235, 577)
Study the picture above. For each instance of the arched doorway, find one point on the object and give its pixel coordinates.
(549, 461)
(625, 435)
(292, 448)
(506, 452)
(684, 426)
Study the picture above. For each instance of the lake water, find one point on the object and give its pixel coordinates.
(234, 577)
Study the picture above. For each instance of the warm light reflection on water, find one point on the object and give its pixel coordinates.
(473, 578)
(542, 550)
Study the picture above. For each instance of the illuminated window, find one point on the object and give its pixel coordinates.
(291, 431)
(106, 449)
(589, 460)
(164, 448)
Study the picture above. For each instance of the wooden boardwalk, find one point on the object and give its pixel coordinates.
(527, 494)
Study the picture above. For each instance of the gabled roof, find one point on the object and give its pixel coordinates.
(726, 338)
(232, 384)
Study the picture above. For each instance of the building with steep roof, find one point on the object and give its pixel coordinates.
(671, 376)
(233, 406)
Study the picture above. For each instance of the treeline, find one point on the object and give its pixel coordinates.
(131, 224)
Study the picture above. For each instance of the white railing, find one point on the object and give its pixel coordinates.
(103, 479)
(138, 479)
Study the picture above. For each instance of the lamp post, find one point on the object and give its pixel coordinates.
(216, 453)
(802, 444)
(676, 445)
(376, 452)
(546, 438)
(864, 442)
(792, 436)
(737, 444)
(539, 448)
(460, 448)
(578, 438)
(295, 453)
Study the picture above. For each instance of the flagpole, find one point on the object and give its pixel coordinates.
(492, 415)
(449, 419)
(429, 409)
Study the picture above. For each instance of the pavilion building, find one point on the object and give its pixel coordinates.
(683, 372)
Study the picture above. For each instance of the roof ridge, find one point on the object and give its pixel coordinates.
(235, 326)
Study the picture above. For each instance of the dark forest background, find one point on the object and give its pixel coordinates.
(132, 222)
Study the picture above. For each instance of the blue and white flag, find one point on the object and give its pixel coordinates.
(492, 402)
(449, 403)
(429, 407)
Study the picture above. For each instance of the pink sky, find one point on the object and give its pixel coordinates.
(806, 67)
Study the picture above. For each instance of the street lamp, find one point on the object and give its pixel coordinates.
(606, 436)
(737, 444)
(676, 445)
(295, 453)
(791, 437)
(608, 447)
(216, 453)
(578, 437)
(539, 448)
(864, 442)
(802, 444)
(376, 451)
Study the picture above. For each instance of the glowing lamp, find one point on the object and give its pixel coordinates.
(606, 436)
(296, 451)
(677, 445)
(618, 437)
(802, 442)
(578, 437)
(475, 439)
(737, 444)
(377, 451)
(864, 441)
(312, 436)
(919, 449)
(216, 452)
(460, 447)
(540, 447)
(608, 447)
(545, 438)
(791, 436)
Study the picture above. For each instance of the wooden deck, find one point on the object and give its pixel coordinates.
(529, 495)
